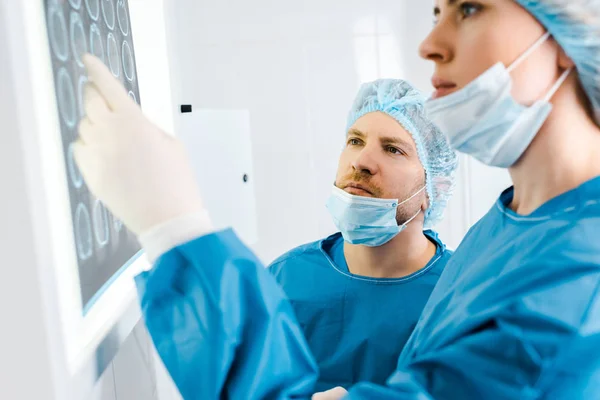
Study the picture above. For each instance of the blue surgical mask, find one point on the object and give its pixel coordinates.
(366, 220)
(484, 120)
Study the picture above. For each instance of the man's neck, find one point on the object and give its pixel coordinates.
(405, 254)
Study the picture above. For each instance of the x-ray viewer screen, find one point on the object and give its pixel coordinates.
(103, 28)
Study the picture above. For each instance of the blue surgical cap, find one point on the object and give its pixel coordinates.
(404, 103)
(575, 25)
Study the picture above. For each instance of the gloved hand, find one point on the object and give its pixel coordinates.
(332, 394)
(140, 173)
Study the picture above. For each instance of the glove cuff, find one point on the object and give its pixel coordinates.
(177, 231)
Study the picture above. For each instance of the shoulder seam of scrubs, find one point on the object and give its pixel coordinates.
(387, 281)
(285, 257)
(546, 375)
(525, 218)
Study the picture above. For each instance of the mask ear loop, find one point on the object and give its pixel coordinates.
(418, 212)
(526, 54)
(530, 50)
(411, 218)
(412, 197)
(558, 84)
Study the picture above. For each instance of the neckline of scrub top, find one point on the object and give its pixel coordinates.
(332, 248)
(588, 193)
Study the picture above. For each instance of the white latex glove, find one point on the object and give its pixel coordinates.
(332, 394)
(140, 173)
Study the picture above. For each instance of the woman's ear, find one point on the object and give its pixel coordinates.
(564, 61)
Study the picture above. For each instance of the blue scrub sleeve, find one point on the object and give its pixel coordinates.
(222, 326)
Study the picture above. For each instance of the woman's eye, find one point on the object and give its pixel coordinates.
(469, 9)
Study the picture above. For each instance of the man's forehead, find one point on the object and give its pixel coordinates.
(379, 123)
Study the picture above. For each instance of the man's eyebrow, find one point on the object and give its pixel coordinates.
(398, 141)
(356, 132)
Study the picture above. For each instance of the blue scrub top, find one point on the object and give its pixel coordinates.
(355, 326)
(519, 302)
(515, 315)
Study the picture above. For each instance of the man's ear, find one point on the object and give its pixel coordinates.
(425, 204)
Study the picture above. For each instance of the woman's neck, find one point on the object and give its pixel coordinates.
(564, 154)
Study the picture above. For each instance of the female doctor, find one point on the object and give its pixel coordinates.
(516, 314)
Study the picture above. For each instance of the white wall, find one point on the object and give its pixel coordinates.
(296, 66)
